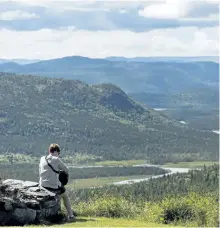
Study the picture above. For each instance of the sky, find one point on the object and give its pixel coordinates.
(46, 29)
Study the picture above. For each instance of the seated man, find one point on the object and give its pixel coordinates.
(50, 179)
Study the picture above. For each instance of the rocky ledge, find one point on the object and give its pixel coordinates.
(23, 202)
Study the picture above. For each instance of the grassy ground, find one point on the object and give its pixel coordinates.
(195, 164)
(101, 181)
(105, 222)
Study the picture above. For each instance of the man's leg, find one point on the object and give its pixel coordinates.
(66, 202)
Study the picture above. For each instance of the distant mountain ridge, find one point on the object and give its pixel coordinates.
(19, 61)
(156, 83)
(167, 59)
(131, 76)
(127, 59)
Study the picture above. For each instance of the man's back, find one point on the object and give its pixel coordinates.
(48, 178)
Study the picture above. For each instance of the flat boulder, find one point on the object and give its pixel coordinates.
(24, 202)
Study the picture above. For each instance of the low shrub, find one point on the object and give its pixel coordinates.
(193, 210)
(108, 207)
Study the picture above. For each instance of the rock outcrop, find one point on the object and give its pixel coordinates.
(23, 202)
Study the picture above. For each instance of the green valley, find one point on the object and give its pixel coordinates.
(96, 120)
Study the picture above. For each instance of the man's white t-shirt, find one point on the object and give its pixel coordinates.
(48, 178)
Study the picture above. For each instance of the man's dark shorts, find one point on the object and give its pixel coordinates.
(60, 190)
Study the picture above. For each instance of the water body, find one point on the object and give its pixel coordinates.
(132, 181)
(216, 131)
(160, 109)
(172, 171)
(88, 166)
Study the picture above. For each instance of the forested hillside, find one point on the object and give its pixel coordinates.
(99, 120)
(187, 199)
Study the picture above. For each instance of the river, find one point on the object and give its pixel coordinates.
(216, 131)
(172, 171)
(132, 181)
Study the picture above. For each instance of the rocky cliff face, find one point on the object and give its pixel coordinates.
(23, 202)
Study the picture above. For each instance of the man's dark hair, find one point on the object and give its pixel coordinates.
(54, 148)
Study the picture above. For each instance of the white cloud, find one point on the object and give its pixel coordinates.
(152, 8)
(55, 4)
(17, 14)
(82, 5)
(122, 11)
(170, 9)
(212, 17)
(48, 43)
(213, 1)
(30, 2)
(46, 2)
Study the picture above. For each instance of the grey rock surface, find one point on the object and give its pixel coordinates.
(24, 202)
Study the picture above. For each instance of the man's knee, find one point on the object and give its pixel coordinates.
(64, 195)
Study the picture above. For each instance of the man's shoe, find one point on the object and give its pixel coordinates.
(74, 213)
(71, 219)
